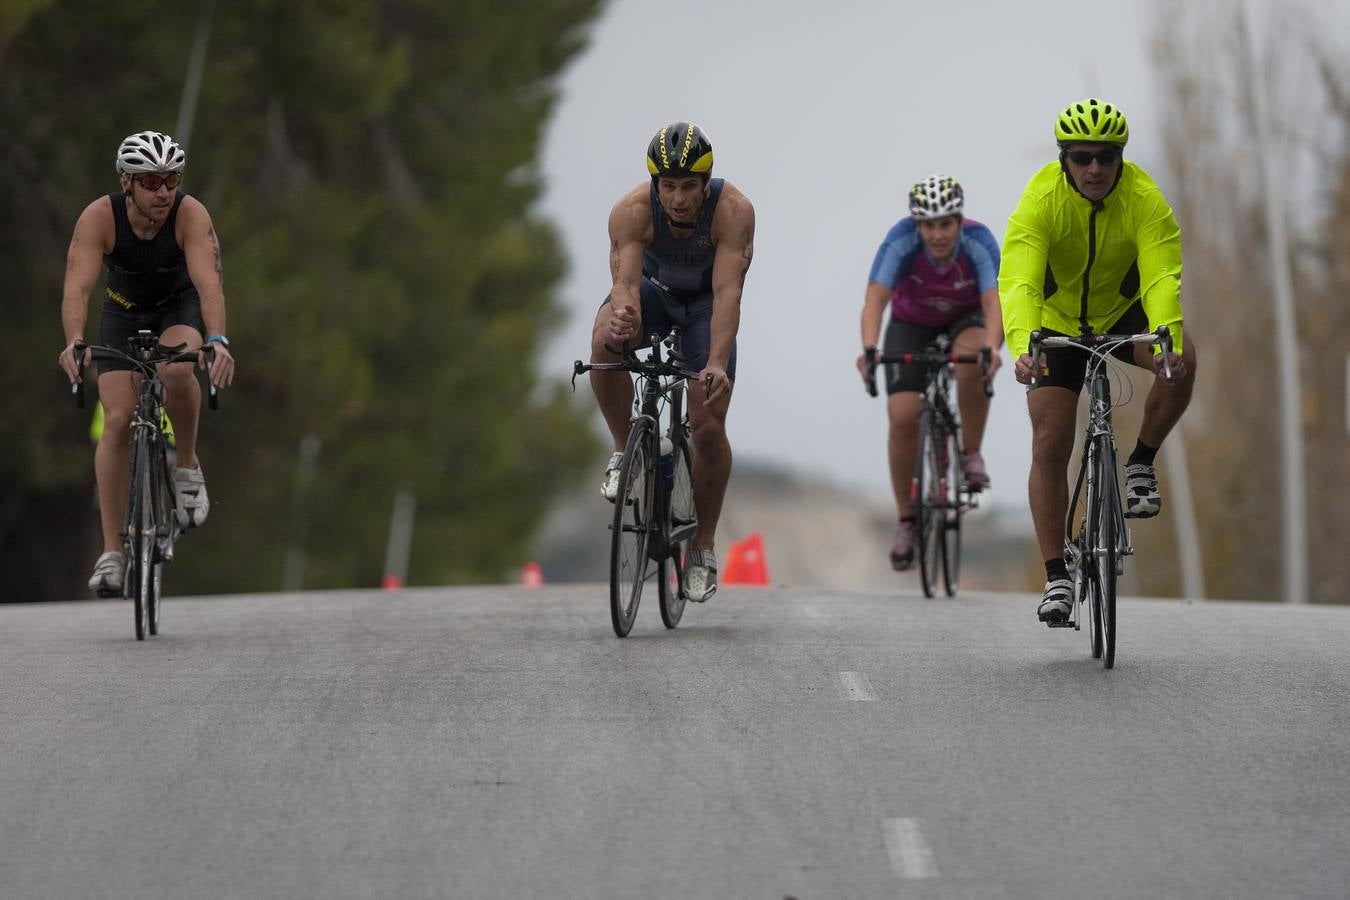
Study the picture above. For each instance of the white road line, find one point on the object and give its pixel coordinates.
(909, 852)
(855, 686)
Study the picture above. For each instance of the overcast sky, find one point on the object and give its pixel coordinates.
(824, 118)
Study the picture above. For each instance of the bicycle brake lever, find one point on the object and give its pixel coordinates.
(212, 396)
(1165, 345)
(77, 386)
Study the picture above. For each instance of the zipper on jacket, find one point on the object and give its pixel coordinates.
(1097, 206)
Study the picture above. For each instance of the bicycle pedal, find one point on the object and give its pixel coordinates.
(1065, 623)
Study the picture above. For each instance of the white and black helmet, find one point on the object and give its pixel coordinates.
(150, 151)
(935, 197)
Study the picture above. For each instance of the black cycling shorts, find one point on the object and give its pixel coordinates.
(662, 310)
(120, 323)
(1066, 367)
(906, 337)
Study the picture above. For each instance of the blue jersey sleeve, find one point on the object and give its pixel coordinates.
(895, 253)
(978, 242)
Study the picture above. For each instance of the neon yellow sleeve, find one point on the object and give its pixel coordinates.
(1159, 240)
(1021, 275)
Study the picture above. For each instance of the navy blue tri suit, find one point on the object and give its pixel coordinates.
(676, 287)
(148, 285)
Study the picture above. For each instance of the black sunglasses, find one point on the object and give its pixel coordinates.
(1107, 156)
(153, 182)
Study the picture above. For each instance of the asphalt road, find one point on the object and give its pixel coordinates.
(501, 742)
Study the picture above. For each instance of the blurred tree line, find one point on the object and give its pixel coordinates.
(1215, 185)
(371, 171)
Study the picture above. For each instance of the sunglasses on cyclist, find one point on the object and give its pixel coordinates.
(1107, 156)
(153, 182)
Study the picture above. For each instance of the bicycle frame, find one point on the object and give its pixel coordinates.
(1096, 559)
(151, 524)
(665, 532)
(938, 491)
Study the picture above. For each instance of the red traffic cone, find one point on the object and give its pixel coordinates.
(531, 575)
(745, 562)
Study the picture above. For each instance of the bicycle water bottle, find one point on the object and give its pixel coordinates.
(667, 463)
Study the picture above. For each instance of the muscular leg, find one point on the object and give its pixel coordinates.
(712, 462)
(1166, 402)
(182, 395)
(112, 458)
(1053, 414)
(970, 394)
(613, 390)
(903, 444)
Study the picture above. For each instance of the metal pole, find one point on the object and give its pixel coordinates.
(1294, 526)
(1183, 518)
(192, 82)
(399, 547)
(306, 468)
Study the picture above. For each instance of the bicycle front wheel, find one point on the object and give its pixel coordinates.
(953, 501)
(140, 539)
(1107, 538)
(629, 534)
(164, 515)
(1086, 543)
(683, 522)
(926, 491)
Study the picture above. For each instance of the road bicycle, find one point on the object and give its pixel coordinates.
(153, 521)
(938, 490)
(1099, 539)
(654, 516)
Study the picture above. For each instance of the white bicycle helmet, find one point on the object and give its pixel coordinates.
(936, 196)
(150, 151)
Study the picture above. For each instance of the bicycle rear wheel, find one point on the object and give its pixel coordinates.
(927, 495)
(628, 563)
(683, 522)
(1107, 538)
(953, 500)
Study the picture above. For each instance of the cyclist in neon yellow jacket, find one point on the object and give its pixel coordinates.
(1092, 244)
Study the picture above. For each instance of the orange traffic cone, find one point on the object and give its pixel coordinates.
(745, 562)
(531, 575)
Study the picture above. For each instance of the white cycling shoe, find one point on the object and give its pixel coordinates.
(189, 486)
(700, 576)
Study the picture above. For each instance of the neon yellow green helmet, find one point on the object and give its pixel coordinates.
(1092, 120)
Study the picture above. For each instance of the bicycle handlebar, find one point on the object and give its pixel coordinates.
(931, 359)
(1100, 344)
(149, 357)
(653, 365)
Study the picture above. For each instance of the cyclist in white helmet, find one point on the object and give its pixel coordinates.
(163, 274)
(938, 272)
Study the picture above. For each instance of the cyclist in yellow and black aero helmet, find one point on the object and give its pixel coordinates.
(679, 248)
(680, 149)
(1092, 246)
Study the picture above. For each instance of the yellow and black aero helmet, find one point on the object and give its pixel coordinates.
(680, 149)
(1092, 120)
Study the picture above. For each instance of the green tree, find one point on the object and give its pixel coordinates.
(370, 167)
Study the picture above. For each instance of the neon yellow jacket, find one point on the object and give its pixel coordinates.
(1049, 265)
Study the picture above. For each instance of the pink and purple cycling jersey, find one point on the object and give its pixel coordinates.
(925, 293)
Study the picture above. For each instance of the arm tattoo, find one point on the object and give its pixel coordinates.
(215, 248)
